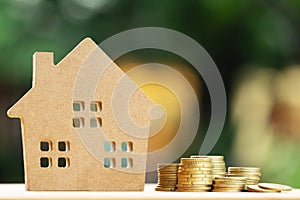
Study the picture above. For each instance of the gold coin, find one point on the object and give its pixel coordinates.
(195, 179)
(275, 186)
(207, 173)
(226, 190)
(212, 157)
(191, 190)
(194, 169)
(228, 182)
(200, 159)
(218, 176)
(167, 182)
(167, 164)
(184, 175)
(201, 175)
(197, 165)
(202, 187)
(246, 169)
(229, 186)
(184, 182)
(244, 174)
(256, 188)
(164, 189)
(167, 174)
(202, 182)
(231, 178)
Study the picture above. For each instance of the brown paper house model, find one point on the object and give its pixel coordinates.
(84, 124)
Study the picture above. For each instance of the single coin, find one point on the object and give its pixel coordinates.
(188, 169)
(229, 186)
(256, 188)
(164, 189)
(195, 159)
(243, 169)
(226, 190)
(213, 157)
(228, 182)
(167, 164)
(231, 178)
(191, 190)
(196, 165)
(275, 186)
(163, 174)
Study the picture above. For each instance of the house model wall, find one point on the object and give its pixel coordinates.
(71, 138)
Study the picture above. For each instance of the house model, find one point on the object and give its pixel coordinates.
(81, 123)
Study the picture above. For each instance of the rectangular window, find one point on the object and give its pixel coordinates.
(96, 106)
(63, 146)
(45, 146)
(109, 163)
(78, 122)
(78, 106)
(127, 146)
(45, 162)
(63, 162)
(96, 122)
(109, 146)
(126, 163)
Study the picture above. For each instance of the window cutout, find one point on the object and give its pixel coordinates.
(126, 163)
(96, 106)
(63, 162)
(78, 122)
(63, 146)
(96, 122)
(78, 106)
(109, 163)
(45, 162)
(109, 146)
(45, 146)
(126, 146)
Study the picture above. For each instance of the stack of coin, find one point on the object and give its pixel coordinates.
(229, 184)
(194, 175)
(219, 168)
(251, 173)
(167, 177)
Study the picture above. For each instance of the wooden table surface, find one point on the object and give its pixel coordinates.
(17, 191)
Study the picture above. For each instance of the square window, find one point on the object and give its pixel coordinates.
(109, 146)
(63, 146)
(96, 106)
(45, 146)
(126, 163)
(78, 106)
(96, 122)
(127, 146)
(78, 122)
(63, 162)
(109, 163)
(45, 162)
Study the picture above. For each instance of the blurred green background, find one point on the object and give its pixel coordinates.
(255, 44)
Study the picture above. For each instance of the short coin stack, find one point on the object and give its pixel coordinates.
(167, 177)
(195, 175)
(219, 168)
(251, 173)
(229, 184)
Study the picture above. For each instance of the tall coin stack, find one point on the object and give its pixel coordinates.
(195, 175)
(251, 173)
(167, 177)
(219, 167)
(229, 184)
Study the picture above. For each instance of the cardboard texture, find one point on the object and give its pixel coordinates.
(84, 124)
